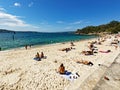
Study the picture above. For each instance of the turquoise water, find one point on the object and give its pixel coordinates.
(20, 39)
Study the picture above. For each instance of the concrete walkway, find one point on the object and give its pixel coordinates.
(111, 79)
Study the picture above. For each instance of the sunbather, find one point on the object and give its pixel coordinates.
(87, 52)
(61, 69)
(42, 55)
(37, 57)
(85, 62)
(91, 46)
(66, 49)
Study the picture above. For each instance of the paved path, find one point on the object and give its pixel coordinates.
(111, 79)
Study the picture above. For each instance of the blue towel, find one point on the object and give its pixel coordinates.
(37, 59)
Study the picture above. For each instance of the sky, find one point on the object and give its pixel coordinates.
(56, 15)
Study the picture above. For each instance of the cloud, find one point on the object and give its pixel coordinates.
(60, 22)
(17, 4)
(30, 4)
(75, 23)
(9, 21)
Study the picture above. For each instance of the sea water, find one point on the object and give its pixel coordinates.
(20, 39)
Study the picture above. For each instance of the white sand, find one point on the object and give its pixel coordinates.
(18, 70)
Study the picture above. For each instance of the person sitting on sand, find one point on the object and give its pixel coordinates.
(61, 69)
(72, 44)
(99, 43)
(37, 56)
(85, 62)
(42, 55)
(91, 46)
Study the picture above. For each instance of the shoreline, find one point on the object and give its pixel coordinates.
(51, 44)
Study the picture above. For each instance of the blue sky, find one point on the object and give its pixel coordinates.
(56, 15)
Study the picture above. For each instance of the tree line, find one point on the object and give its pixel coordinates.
(110, 28)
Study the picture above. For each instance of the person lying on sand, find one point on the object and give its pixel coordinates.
(114, 42)
(66, 49)
(61, 69)
(85, 62)
(87, 52)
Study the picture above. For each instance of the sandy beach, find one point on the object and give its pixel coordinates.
(19, 71)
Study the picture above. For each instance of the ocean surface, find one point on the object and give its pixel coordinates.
(20, 39)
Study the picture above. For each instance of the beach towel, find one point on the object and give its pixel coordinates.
(105, 51)
(37, 59)
(70, 76)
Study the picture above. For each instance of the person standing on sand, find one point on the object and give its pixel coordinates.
(26, 47)
(30, 46)
(0, 49)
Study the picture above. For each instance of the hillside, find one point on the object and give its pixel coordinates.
(112, 27)
(5, 31)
